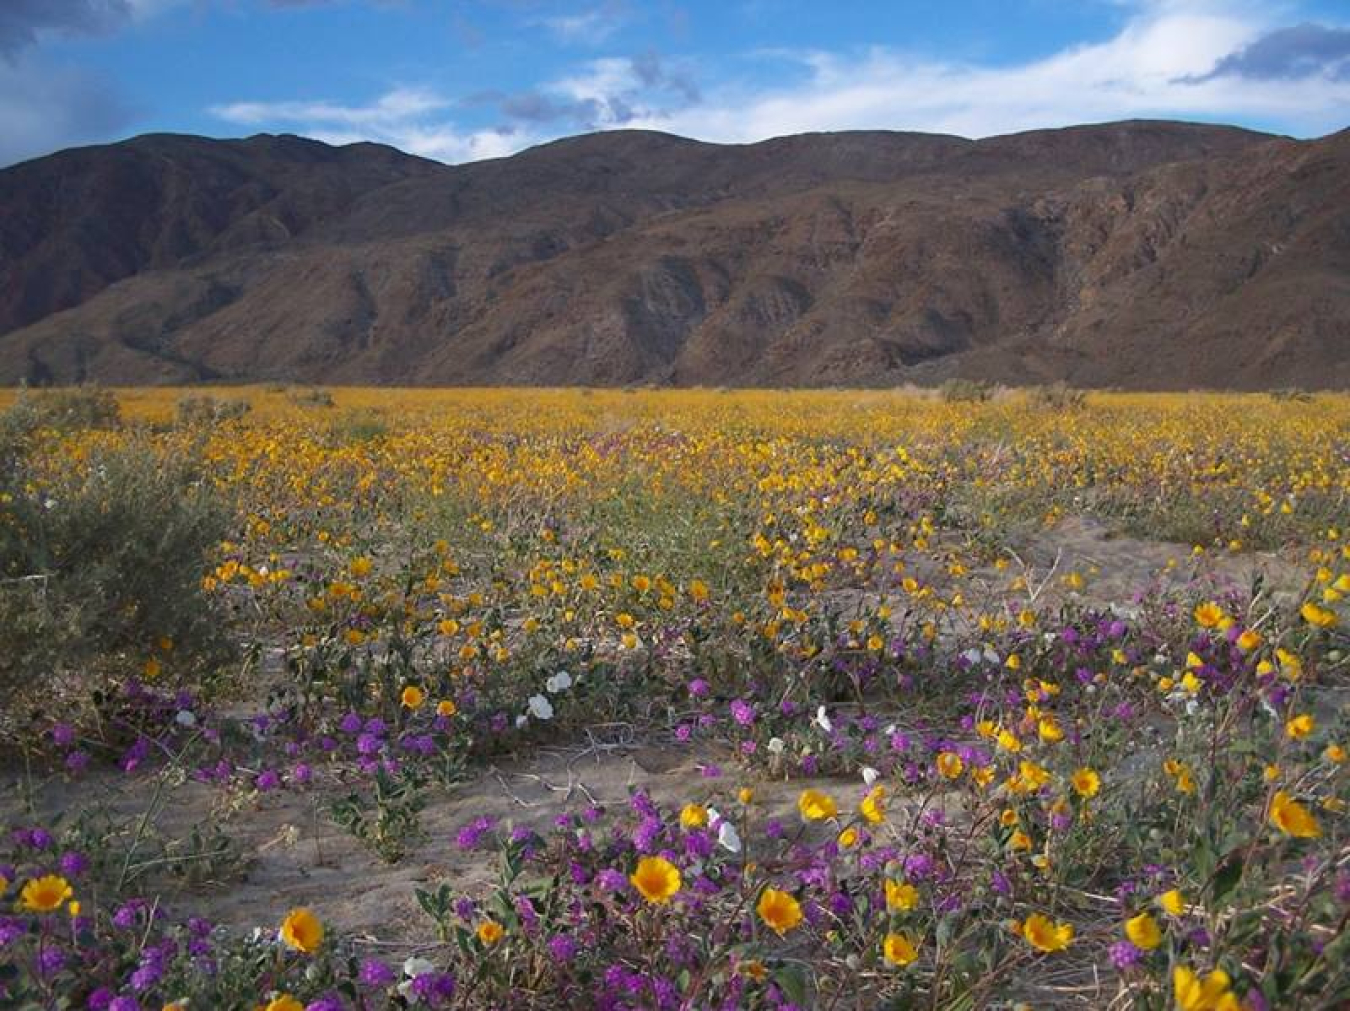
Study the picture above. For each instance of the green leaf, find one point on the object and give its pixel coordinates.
(1228, 876)
(792, 979)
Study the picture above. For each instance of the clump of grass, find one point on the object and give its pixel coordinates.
(205, 410)
(67, 408)
(308, 396)
(356, 426)
(1059, 396)
(1291, 394)
(967, 391)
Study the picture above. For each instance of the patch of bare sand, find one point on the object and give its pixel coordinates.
(297, 856)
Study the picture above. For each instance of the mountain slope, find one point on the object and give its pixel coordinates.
(1139, 254)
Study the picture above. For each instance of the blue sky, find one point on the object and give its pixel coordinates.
(464, 79)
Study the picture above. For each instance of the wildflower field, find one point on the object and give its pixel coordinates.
(654, 699)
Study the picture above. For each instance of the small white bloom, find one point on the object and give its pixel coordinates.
(973, 655)
(521, 721)
(776, 745)
(728, 838)
(185, 718)
(870, 775)
(823, 720)
(991, 656)
(559, 682)
(540, 707)
(417, 966)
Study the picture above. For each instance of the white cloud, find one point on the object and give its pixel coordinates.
(1141, 72)
(1154, 66)
(406, 118)
(590, 27)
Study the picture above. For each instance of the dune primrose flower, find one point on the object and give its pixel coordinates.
(656, 879)
(779, 911)
(302, 931)
(816, 806)
(1043, 934)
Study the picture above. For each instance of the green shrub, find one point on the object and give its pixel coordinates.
(205, 409)
(359, 426)
(957, 391)
(1291, 393)
(309, 397)
(1057, 397)
(102, 569)
(69, 408)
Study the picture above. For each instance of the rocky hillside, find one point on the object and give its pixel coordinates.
(1141, 254)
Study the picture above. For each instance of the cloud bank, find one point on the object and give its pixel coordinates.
(1204, 60)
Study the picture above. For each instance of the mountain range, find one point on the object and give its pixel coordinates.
(1141, 254)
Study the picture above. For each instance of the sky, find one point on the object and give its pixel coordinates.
(461, 80)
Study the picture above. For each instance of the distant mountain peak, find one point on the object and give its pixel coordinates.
(1143, 253)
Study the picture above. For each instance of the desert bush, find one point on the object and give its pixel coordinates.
(962, 391)
(1057, 397)
(359, 426)
(1291, 394)
(204, 409)
(70, 407)
(101, 569)
(303, 396)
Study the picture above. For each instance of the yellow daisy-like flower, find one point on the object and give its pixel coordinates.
(302, 931)
(815, 805)
(45, 894)
(746, 795)
(1333, 753)
(1292, 818)
(1209, 994)
(413, 697)
(1044, 934)
(755, 969)
(848, 838)
(693, 816)
(1086, 782)
(949, 764)
(779, 911)
(901, 895)
(1321, 617)
(1249, 640)
(490, 932)
(899, 949)
(1209, 614)
(656, 879)
(1034, 776)
(446, 707)
(1300, 726)
(873, 806)
(1173, 902)
(1049, 730)
(283, 1002)
(1143, 932)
